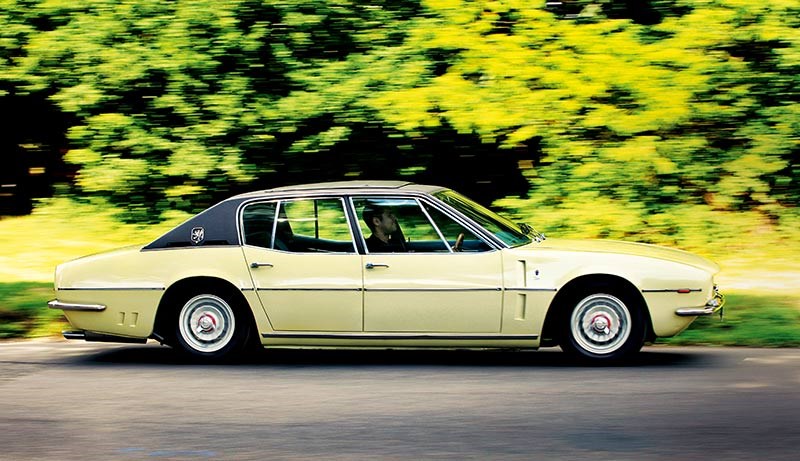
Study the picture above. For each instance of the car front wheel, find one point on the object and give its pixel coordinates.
(209, 328)
(603, 326)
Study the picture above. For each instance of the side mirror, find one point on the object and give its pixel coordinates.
(531, 232)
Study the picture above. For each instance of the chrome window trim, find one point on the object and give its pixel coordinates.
(347, 195)
(485, 232)
(240, 218)
(360, 232)
(275, 220)
(317, 253)
(472, 226)
(435, 227)
(479, 232)
(189, 247)
(279, 203)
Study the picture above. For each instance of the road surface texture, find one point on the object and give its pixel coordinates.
(83, 401)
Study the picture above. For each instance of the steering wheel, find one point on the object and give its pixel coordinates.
(459, 242)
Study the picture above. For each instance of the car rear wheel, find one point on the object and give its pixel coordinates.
(603, 326)
(209, 326)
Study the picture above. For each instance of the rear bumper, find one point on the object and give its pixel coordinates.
(56, 304)
(99, 337)
(715, 304)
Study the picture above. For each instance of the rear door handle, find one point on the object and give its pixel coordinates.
(257, 265)
(373, 266)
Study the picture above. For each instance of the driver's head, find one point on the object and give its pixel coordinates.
(379, 218)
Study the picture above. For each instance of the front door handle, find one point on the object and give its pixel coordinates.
(373, 266)
(257, 265)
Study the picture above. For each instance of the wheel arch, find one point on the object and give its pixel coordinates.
(167, 307)
(560, 304)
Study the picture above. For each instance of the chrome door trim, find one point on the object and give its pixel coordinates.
(309, 289)
(402, 336)
(427, 290)
(120, 288)
(532, 289)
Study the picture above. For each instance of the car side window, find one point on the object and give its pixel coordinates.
(397, 225)
(257, 222)
(452, 230)
(313, 226)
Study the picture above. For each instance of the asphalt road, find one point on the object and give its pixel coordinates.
(82, 401)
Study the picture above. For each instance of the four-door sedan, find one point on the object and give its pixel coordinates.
(380, 264)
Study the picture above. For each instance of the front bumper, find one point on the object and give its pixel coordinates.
(715, 304)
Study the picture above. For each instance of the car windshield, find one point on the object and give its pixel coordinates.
(501, 227)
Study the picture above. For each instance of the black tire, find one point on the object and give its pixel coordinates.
(603, 324)
(211, 326)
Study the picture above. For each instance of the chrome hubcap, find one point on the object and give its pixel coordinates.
(206, 323)
(600, 324)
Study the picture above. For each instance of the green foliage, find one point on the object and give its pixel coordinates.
(24, 312)
(621, 115)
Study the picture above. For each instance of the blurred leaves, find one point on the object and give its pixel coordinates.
(618, 114)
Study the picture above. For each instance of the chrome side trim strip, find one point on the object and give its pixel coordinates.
(392, 290)
(409, 290)
(430, 290)
(532, 289)
(675, 290)
(56, 304)
(308, 289)
(402, 336)
(153, 288)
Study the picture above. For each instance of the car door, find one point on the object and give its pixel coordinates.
(417, 283)
(304, 264)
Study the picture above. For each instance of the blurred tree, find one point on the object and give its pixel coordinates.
(32, 128)
(668, 105)
(697, 107)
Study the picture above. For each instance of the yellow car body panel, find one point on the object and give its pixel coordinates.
(131, 282)
(433, 293)
(308, 292)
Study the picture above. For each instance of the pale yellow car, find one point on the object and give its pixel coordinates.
(380, 265)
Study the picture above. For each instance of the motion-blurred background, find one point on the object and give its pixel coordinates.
(673, 122)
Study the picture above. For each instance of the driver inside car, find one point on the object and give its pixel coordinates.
(386, 235)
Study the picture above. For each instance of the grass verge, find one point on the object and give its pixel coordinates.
(755, 320)
(24, 312)
(751, 319)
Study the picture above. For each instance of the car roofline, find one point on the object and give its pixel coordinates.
(342, 187)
